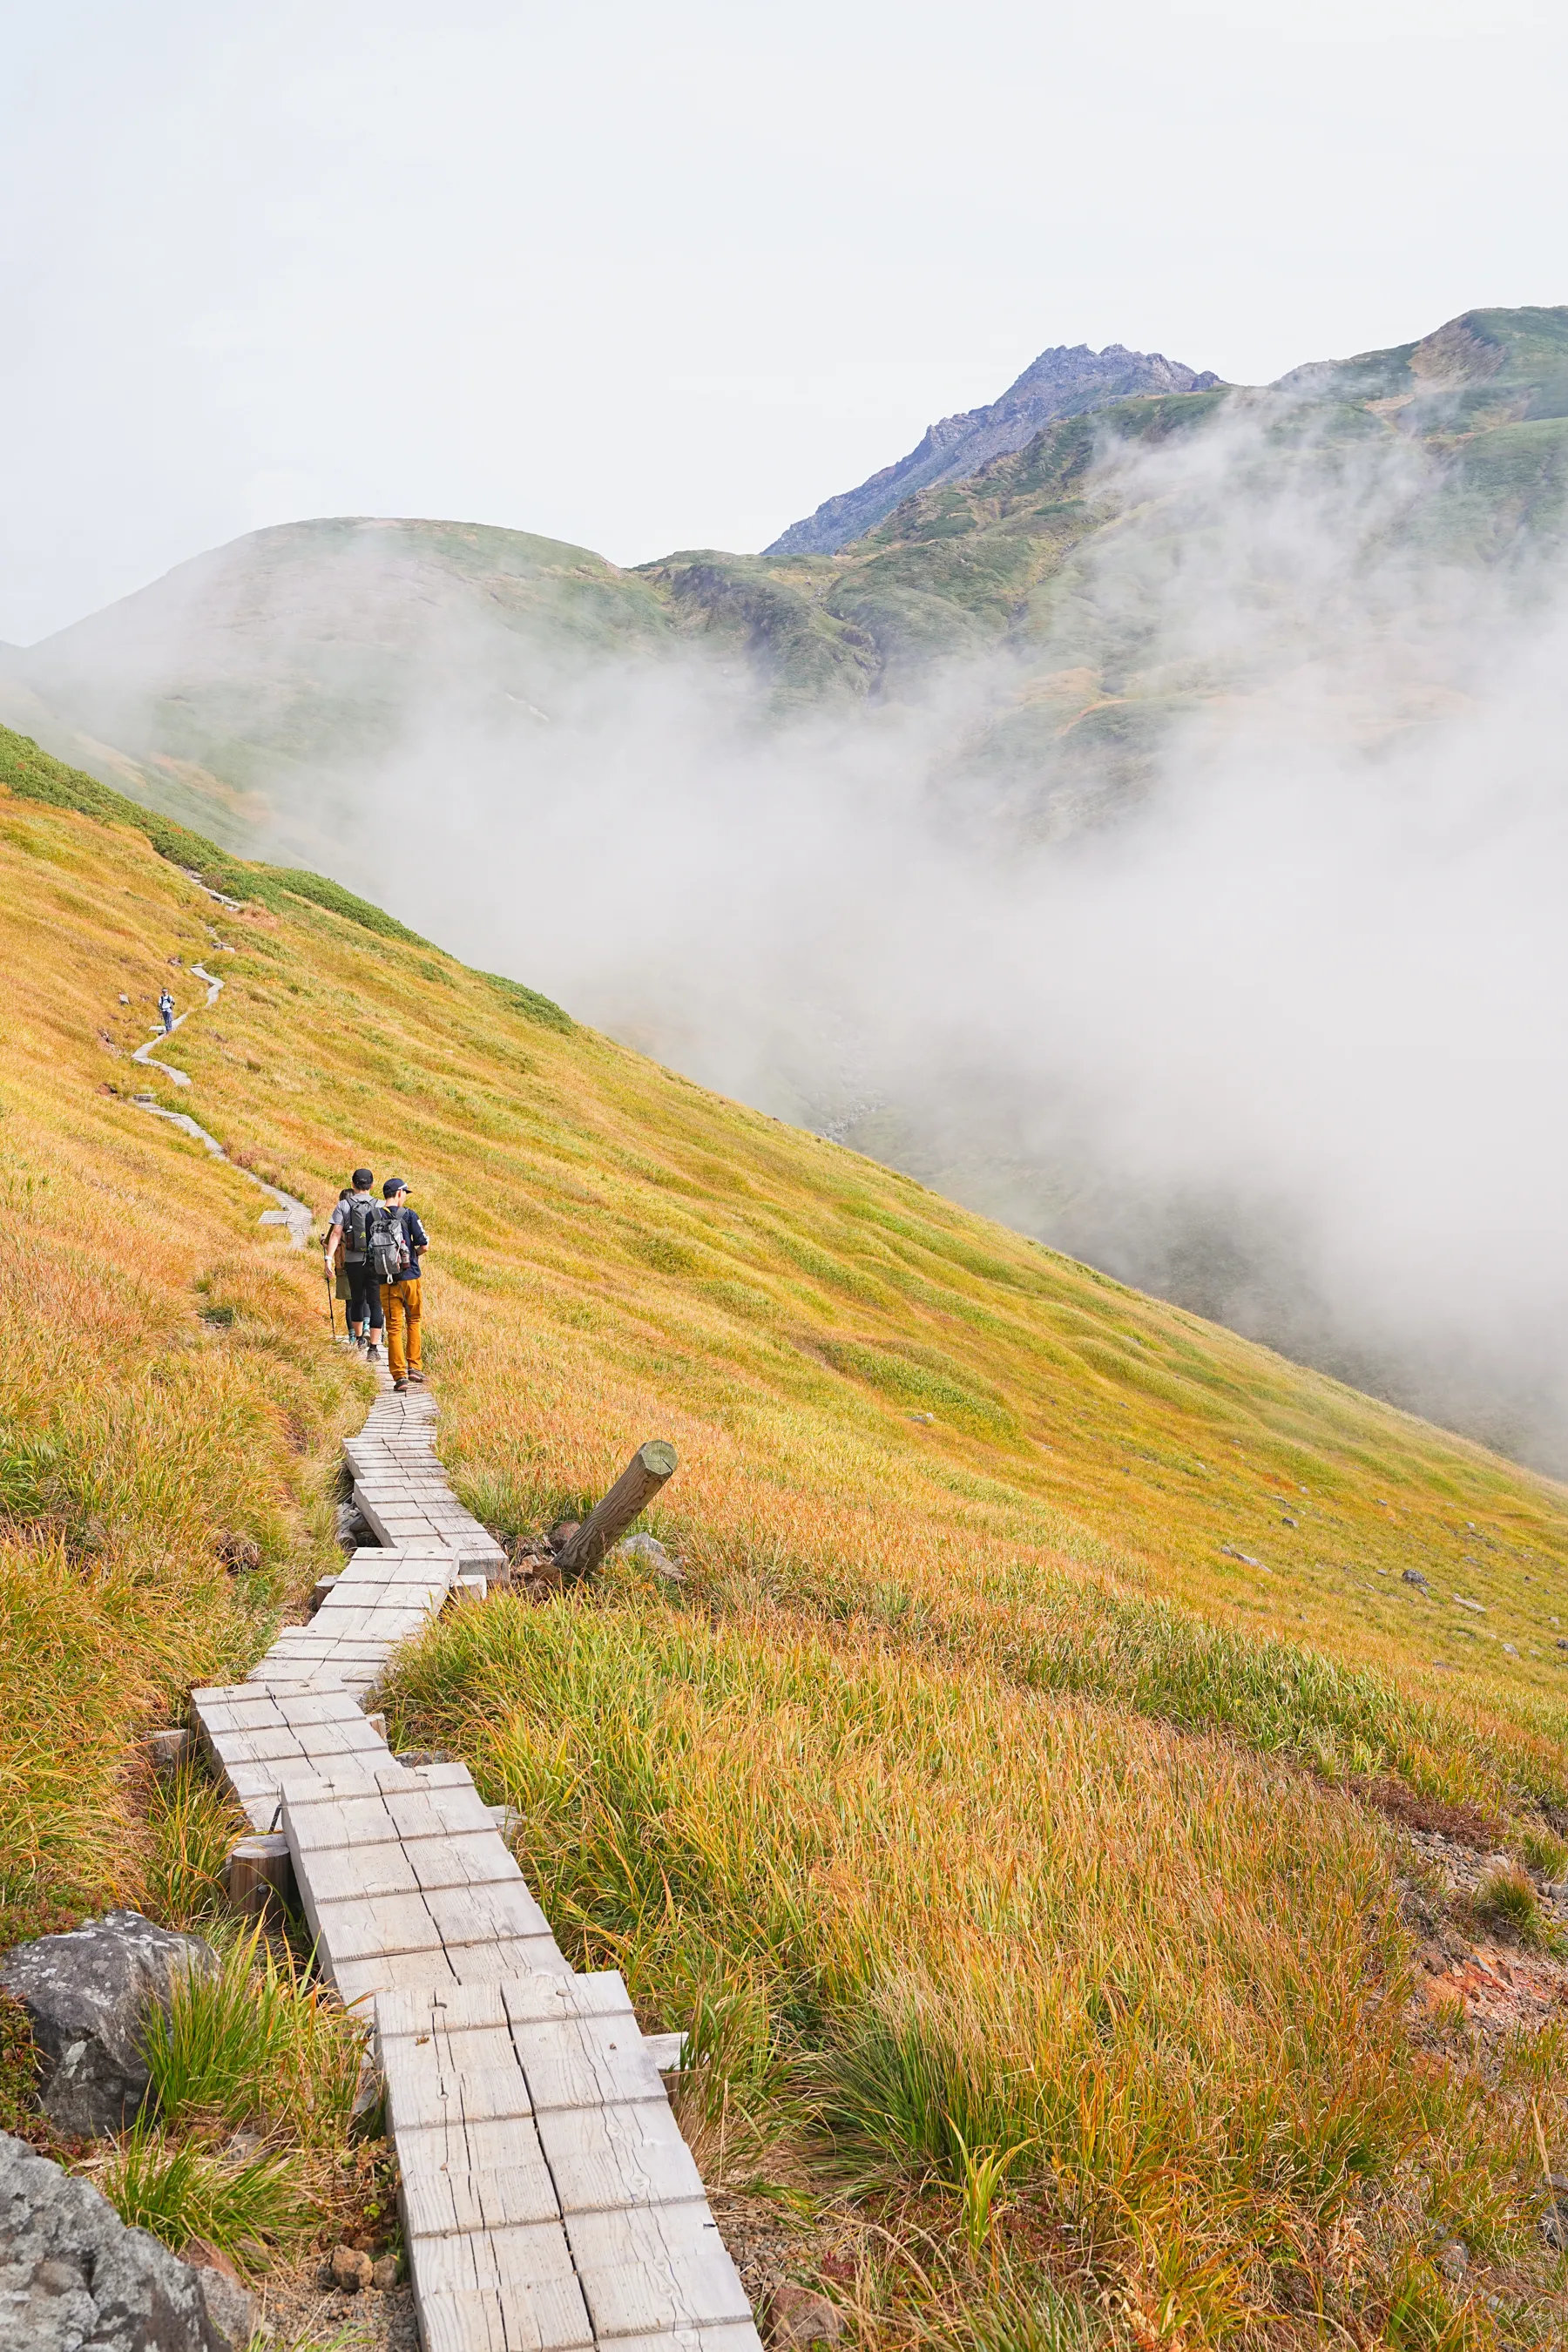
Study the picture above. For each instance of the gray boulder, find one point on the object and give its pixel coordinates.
(86, 1994)
(651, 1554)
(73, 2278)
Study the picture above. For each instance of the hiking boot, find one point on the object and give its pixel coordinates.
(417, 1376)
(373, 1354)
(400, 1386)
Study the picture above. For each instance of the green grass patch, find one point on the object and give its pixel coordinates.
(255, 2042)
(180, 2189)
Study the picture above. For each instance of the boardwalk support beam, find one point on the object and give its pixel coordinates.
(260, 1876)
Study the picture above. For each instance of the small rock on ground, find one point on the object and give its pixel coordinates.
(350, 2270)
(650, 1553)
(797, 2318)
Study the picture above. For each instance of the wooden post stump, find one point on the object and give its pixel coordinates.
(607, 1522)
(260, 1876)
(167, 1750)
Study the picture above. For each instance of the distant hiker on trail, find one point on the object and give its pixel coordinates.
(349, 1240)
(166, 1007)
(400, 1293)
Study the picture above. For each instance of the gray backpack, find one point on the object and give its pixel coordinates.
(386, 1252)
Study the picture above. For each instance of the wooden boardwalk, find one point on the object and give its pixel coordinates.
(549, 2200)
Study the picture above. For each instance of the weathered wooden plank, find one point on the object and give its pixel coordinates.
(734, 2335)
(459, 2144)
(418, 1867)
(595, 1993)
(470, 1858)
(392, 1485)
(428, 2085)
(486, 1911)
(308, 1742)
(466, 2323)
(408, 2016)
(455, 1807)
(364, 1927)
(340, 1873)
(489, 2320)
(360, 1983)
(602, 2159)
(356, 1618)
(320, 1820)
(529, 2266)
(359, 1927)
(653, 2267)
(484, 1963)
(587, 2062)
(241, 1707)
(438, 2202)
(437, 1776)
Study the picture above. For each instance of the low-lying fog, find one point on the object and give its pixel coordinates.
(1286, 1040)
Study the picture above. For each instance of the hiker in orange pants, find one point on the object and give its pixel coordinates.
(400, 1299)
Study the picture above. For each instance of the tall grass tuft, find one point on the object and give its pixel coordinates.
(191, 1826)
(254, 2042)
(1506, 1900)
(1037, 2321)
(183, 2189)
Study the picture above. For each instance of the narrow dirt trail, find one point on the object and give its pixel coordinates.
(299, 1218)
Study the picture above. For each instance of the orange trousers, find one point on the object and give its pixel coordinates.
(400, 1306)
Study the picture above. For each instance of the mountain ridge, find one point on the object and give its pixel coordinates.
(1067, 380)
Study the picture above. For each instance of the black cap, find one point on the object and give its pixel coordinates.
(364, 1179)
(393, 1184)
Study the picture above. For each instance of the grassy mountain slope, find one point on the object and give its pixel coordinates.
(995, 1799)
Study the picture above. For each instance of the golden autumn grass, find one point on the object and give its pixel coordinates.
(916, 1918)
(986, 1817)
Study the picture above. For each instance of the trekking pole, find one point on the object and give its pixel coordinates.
(331, 1311)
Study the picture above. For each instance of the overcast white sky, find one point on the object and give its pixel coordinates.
(647, 276)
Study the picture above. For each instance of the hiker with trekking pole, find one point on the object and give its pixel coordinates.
(355, 1223)
(338, 1283)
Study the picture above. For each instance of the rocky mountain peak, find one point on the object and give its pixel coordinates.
(1067, 380)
